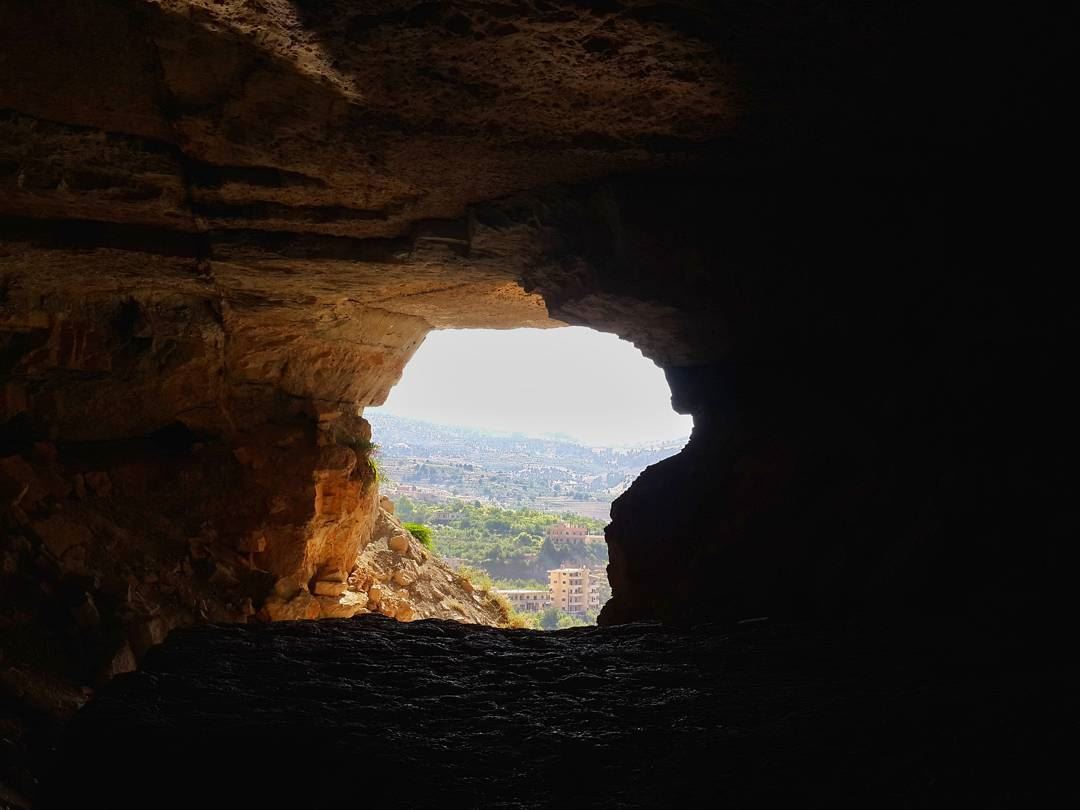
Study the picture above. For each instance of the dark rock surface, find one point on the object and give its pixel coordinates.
(438, 714)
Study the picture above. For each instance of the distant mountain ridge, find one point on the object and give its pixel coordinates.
(394, 422)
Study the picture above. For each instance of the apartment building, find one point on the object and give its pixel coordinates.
(578, 590)
(526, 600)
(599, 590)
(566, 532)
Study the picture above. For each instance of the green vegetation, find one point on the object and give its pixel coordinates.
(362, 447)
(365, 450)
(477, 576)
(509, 544)
(554, 619)
(521, 584)
(421, 532)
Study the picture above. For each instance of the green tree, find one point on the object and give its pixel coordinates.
(549, 619)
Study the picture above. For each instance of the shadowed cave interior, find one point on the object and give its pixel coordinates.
(225, 227)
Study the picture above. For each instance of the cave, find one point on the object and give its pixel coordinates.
(227, 225)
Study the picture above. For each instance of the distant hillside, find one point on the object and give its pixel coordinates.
(431, 461)
(506, 543)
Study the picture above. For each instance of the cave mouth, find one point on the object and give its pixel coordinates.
(504, 449)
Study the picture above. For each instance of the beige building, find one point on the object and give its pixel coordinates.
(523, 600)
(600, 589)
(566, 532)
(578, 590)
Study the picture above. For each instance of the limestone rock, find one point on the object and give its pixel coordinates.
(375, 594)
(329, 588)
(286, 588)
(358, 600)
(407, 585)
(301, 606)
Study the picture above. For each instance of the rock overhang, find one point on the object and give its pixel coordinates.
(290, 195)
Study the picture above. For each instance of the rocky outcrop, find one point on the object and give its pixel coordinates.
(125, 540)
(393, 574)
(109, 545)
(404, 580)
(106, 547)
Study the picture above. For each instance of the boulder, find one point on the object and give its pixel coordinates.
(286, 588)
(329, 588)
(302, 606)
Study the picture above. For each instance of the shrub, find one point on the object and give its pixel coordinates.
(421, 532)
(480, 579)
(549, 619)
(366, 450)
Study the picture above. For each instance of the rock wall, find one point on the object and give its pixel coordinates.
(857, 445)
(239, 220)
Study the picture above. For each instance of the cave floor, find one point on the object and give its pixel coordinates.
(434, 713)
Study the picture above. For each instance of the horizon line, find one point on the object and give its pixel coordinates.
(559, 436)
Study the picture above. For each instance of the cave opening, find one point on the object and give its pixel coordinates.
(225, 229)
(502, 450)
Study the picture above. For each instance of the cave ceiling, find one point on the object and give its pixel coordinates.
(306, 165)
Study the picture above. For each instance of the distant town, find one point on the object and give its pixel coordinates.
(433, 463)
(523, 516)
(575, 591)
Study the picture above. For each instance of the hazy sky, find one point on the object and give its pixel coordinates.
(592, 386)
